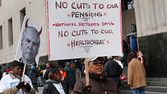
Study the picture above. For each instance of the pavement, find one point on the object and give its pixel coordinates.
(40, 89)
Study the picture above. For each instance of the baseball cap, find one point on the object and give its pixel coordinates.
(94, 58)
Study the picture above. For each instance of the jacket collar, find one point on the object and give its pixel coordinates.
(14, 76)
(96, 77)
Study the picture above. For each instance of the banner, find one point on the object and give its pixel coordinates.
(29, 42)
(84, 28)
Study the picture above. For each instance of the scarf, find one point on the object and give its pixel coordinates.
(98, 77)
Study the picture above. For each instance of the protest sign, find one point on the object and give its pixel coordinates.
(84, 28)
(29, 42)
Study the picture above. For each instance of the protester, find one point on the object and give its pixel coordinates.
(125, 50)
(82, 67)
(51, 66)
(40, 80)
(63, 73)
(116, 58)
(76, 62)
(134, 46)
(54, 85)
(44, 71)
(136, 75)
(12, 83)
(71, 75)
(140, 56)
(113, 70)
(77, 74)
(33, 76)
(30, 45)
(99, 82)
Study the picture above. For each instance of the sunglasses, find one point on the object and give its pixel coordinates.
(97, 62)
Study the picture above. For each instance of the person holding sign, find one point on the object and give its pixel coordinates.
(30, 45)
(99, 83)
(12, 83)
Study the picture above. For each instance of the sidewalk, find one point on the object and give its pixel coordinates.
(40, 90)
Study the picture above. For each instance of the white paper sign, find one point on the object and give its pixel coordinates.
(29, 42)
(84, 28)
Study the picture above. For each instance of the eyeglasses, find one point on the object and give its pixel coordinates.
(97, 62)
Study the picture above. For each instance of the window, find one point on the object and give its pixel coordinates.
(10, 32)
(0, 3)
(128, 4)
(1, 38)
(22, 14)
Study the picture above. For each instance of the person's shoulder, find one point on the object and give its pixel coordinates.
(108, 61)
(67, 69)
(81, 80)
(49, 82)
(112, 62)
(5, 77)
(134, 60)
(47, 85)
(26, 78)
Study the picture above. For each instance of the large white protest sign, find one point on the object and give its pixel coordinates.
(84, 28)
(29, 42)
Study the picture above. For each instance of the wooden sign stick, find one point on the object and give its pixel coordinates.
(87, 73)
(22, 78)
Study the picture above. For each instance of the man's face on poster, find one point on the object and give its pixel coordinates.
(30, 44)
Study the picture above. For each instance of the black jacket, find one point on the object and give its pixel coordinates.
(49, 88)
(112, 68)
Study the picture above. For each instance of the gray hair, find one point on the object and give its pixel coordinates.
(32, 30)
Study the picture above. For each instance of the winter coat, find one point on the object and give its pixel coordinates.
(33, 75)
(9, 82)
(99, 85)
(136, 74)
(71, 75)
(125, 46)
(112, 68)
(49, 88)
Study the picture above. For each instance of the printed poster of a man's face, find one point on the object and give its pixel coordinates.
(30, 45)
(29, 42)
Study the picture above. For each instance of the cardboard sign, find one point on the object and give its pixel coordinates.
(84, 28)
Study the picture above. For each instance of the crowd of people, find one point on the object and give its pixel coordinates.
(104, 75)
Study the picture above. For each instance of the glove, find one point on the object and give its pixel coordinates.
(86, 90)
(20, 85)
(27, 87)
